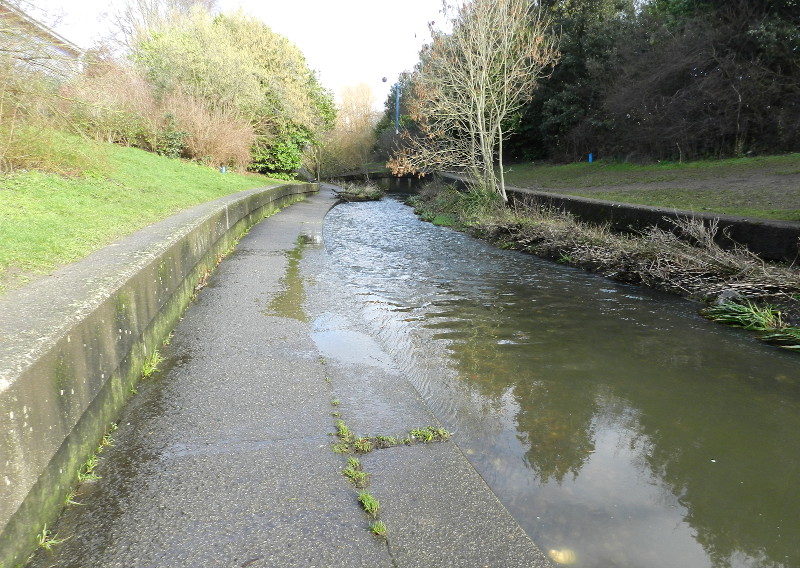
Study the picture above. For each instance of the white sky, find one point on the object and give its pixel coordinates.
(346, 41)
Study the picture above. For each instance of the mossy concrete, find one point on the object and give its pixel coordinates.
(72, 346)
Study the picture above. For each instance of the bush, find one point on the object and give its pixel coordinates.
(119, 106)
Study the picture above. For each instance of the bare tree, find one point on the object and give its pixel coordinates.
(467, 84)
(349, 145)
(136, 18)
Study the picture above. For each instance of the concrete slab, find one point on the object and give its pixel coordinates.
(439, 512)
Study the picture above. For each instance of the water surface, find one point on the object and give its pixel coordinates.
(612, 421)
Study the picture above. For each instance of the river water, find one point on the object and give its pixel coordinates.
(618, 426)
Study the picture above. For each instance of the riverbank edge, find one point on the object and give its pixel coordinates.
(596, 256)
(771, 240)
(74, 344)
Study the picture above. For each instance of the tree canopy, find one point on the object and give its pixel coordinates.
(234, 61)
(647, 80)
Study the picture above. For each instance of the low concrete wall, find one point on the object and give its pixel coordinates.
(772, 240)
(72, 345)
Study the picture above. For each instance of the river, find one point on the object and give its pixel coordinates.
(618, 426)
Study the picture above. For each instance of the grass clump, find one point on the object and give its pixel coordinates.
(86, 472)
(47, 540)
(378, 528)
(788, 337)
(765, 319)
(70, 498)
(343, 431)
(350, 442)
(363, 445)
(151, 364)
(430, 434)
(355, 473)
(369, 503)
(747, 315)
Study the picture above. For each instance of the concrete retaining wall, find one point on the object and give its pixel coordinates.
(72, 346)
(772, 240)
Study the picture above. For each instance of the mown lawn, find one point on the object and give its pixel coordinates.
(766, 186)
(47, 220)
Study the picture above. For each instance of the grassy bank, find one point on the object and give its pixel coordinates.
(766, 187)
(103, 192)
(685, 260)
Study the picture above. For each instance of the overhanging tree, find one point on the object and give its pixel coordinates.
(469, 82)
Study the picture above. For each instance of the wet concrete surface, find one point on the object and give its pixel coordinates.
(225, 458)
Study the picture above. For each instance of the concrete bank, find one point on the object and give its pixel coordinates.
(226, 457)
(772, 240)
(73, 344)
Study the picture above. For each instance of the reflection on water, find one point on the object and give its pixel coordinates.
(612, 421)
(289, 303)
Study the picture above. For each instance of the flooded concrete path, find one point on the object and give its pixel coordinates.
(225, 457)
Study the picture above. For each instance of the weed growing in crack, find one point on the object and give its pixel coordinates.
(48, 540)
(429, 434)
(355, 473)
(369, 503)
(70, 498)
(151, 364)
(344, 433)
(378, 528)
(336, 402)
(86, 472)
(385, 442)
(363, 445)
(366, 444)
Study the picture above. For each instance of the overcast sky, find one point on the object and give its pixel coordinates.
(347, 41)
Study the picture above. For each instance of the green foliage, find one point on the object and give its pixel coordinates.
(362, 445)
(355, 473)
(430, 434)
(282, 155)
(235, 61)
(343, 431)
(50, 220)
(378, 528)
(47, 540)
(169, 141)
(369, 503)
(666, 79)
(747, 315)
(151, 364)
(788, 337)
(86, 472)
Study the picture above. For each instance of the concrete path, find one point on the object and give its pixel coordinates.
(225, 458)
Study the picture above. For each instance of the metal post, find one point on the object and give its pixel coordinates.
(397, 108)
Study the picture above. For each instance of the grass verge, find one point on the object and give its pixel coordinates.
(47, 220)
(685, 260)
(763, 186)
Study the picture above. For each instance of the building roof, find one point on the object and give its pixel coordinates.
(33, 27)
